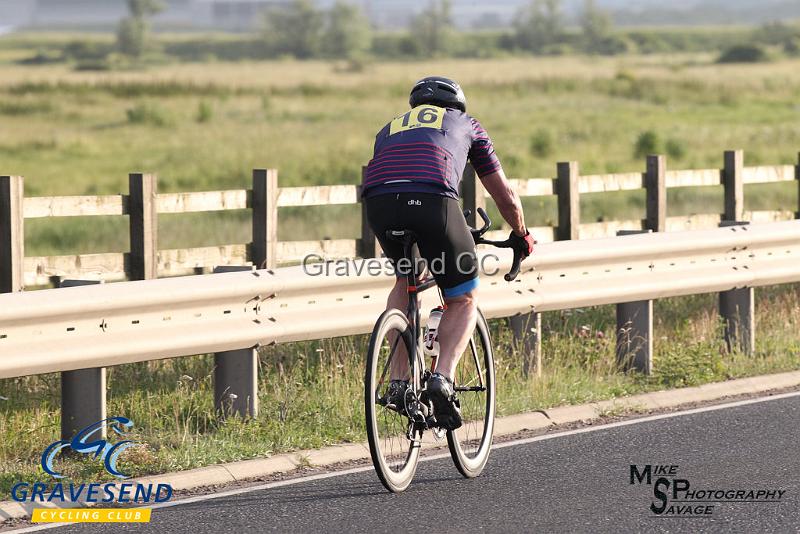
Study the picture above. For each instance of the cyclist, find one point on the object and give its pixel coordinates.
(413, 183)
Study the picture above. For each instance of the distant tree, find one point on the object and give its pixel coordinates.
(647, 143)
(432, 29)
(539, 25)
(776, 33)
(294, 29)
(792, 46)
(595, 26)
(751, 53)
(133, 31)
(347, 32)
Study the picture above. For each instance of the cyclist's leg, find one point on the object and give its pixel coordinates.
(449, 250)
(455, 330)
(384, 213)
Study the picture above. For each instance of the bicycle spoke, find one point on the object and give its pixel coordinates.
(470, 444)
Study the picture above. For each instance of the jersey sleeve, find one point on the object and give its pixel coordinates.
(481, 153)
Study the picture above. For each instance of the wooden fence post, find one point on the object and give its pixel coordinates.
(264, 249)
(569, 207)
(473, 195)
(655, 184)
(366, 246)
(734, 186)
(12, 235)
(797, 179)
(143, 220)
(83, 391)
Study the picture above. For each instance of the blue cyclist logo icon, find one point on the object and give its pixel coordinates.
(101, 448)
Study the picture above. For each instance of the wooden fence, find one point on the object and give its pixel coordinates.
(143, 204)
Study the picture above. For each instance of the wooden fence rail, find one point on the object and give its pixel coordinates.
(142, 205)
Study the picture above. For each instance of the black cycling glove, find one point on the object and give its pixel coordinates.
(524, 244)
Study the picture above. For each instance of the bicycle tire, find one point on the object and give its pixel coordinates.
(471, 444)
(394, 456)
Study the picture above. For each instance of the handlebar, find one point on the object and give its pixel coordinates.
(477, 236)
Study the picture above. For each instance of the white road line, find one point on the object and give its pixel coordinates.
(322, 476)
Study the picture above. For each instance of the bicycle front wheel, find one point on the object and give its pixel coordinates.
(394, 455)
(475, 390)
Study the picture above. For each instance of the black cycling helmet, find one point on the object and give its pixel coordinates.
(438, 91)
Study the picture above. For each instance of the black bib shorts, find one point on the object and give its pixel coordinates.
(444, 240)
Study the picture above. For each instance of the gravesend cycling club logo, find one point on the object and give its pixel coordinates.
(107, 452)
(675, 496)
(89, 442)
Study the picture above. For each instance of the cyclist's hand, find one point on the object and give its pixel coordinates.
(523, 245)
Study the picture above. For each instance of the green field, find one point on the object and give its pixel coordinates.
(204, 126)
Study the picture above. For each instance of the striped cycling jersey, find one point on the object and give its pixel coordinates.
(426, 150)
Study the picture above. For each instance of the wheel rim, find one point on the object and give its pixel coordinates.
(394, 454)
(474, 383)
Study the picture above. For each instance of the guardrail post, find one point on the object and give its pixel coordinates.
(12, 235)
(736, 307)
(473, 196)
(366, 246)
(569, 207)
(143, 220)
(655, 183)
(635, 330)
(236, 373)
(635, 335)
(83, 391)
(527, 331)
(264, 249)
(737, 310)
(734, 186)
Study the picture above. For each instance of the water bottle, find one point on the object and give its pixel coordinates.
(431, 339)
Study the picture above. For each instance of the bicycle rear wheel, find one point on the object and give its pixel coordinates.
(394, 455)
(475, 389)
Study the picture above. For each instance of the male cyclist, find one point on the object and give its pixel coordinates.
(413, 183)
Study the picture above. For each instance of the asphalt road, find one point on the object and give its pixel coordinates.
(572, 483)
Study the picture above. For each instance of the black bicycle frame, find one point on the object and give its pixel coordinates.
(412, 309)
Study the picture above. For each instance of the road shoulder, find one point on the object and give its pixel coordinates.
(215, 478)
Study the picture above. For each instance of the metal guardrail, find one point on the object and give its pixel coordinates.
(105, 325)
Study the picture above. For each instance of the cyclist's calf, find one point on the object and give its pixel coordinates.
(455, 330)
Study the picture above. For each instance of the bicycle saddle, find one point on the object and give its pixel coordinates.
(401, 235)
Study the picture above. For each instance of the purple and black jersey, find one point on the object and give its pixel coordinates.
(426, 150)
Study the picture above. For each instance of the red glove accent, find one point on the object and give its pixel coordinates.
(530, 241)
(523, 244)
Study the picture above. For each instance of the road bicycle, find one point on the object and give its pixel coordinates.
(396, 435)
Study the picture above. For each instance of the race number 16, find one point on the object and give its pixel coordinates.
(419, 117)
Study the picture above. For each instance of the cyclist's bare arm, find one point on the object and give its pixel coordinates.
(506, 199)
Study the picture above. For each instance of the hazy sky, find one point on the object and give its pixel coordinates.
(239, 14)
